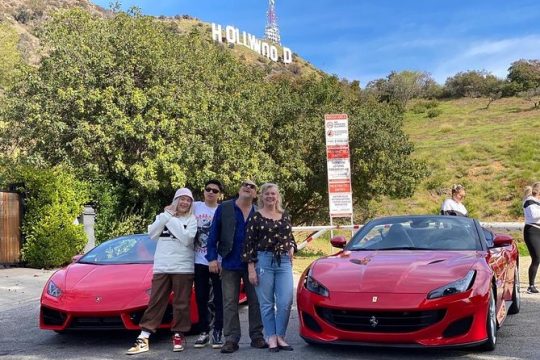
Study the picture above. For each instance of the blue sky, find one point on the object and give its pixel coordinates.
(365, 39)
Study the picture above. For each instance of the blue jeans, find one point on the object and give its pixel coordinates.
(275, 292)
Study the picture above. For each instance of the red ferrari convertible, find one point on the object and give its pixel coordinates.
(107, 288)
(426, 281)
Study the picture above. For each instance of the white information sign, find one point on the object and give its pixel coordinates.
(338, 165)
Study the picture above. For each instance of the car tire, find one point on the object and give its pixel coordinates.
(516, 295)
(491, 325)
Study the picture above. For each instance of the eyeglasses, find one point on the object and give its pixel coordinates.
(251, 186)
(215, 191)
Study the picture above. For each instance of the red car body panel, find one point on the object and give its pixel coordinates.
(382, 282)
(120, 291)
(104, 296)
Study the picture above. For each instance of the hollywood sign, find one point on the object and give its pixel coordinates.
(234, 36)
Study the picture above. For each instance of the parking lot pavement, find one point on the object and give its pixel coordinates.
(21, 286)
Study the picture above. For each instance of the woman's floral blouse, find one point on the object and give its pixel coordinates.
(264, 234)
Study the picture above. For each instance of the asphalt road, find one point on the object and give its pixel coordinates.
(20, 337)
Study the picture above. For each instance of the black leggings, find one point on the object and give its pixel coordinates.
(531, 234)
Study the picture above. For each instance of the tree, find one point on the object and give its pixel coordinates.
(525, 74)
(473, 83)
(140, 110)
(381, 161)
(400, 87)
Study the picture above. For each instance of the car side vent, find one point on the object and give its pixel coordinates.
(458, 327)
(311, 323)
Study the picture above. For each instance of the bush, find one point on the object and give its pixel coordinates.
(422, 106)
(112, 217)
(54, 200)
(418, 108)
(433, 113)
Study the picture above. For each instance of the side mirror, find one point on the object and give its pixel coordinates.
(338, 241)
(76, 258)
(501, 240)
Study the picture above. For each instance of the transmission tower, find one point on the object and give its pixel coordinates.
(271, 32)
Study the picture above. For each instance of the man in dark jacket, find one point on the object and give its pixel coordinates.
(226, 240)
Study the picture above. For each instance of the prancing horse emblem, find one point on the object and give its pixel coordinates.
(373, 321)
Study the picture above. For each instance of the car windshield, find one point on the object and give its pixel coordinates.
(417, 233)
(132, 249)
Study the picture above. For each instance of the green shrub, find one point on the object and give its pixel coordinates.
(422, 106)
(113, 218)
(432, 113)
(418, 108)
(54, 200)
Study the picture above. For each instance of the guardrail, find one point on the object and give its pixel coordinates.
(318, 230)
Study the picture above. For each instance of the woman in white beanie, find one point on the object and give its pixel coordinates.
(175, 230)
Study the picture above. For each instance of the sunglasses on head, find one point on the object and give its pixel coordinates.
(251, 186)
(215, 191)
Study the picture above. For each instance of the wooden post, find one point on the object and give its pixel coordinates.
(10, 228)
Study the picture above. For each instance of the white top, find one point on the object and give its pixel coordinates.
(204, 215)
(531, 209)
(452, 205)
(174, 250)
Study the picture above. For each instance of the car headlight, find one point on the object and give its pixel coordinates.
(53, 289)
(455, 287)
(314, 286)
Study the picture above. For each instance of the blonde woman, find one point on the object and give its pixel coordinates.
(174, 229)
(531, 231)
(454, 205)
(269, 250)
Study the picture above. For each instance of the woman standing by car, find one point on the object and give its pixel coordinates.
(531, 231)
(269, 250)
(174, 229)
(454, 205)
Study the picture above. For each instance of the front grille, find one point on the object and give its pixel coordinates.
(380, 321)
(108, 323)
(52, 317)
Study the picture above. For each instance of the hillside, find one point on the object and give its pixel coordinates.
(25, 17)
(492, 152)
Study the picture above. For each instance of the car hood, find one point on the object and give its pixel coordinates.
(89, 287)
(391, 271)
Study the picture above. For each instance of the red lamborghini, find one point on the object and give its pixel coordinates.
(107, 288)
(426, 281)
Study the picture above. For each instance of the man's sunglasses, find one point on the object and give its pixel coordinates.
(215, 191)
(251, 186)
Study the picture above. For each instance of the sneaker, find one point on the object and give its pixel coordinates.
(178, 342)
(229, 347)
(202, 340)
(532, 290)
(140, 346)
(217, 340)
(259, 343)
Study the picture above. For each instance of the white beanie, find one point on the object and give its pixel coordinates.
(183, 192)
